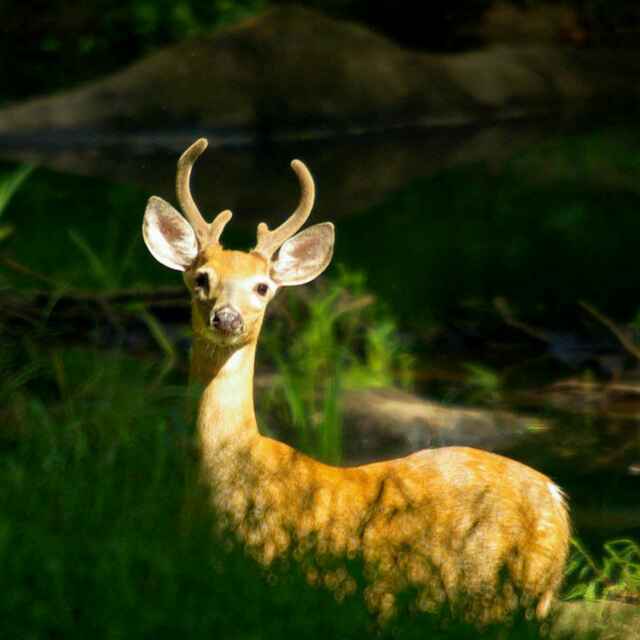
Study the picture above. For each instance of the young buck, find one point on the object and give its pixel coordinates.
(468, 532)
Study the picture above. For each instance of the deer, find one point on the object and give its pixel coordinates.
(471, 532)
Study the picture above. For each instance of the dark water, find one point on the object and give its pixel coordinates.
(444, 223)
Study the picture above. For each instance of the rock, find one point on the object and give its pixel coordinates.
(352, 174)
(292, 69)
(289, 66)
(383, 423)
(604, 620)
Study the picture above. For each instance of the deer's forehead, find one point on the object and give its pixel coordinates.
(234, 264)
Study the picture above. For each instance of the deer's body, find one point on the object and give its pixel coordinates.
(466, 531)
(463, 528)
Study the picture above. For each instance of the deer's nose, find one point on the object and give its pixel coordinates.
(227, 320)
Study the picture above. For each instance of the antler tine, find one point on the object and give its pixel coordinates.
(218, 224)
(205, 232)
(270, 241)
(183, 190)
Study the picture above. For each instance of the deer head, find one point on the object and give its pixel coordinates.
(231, 289)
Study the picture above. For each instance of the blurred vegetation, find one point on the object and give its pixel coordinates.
(442, 26)
(87, 236)
(486, 385)
(615, 576)
(336, 337)
(9, 184)
(565, 212)
(47, 46)
(54, 44)
(551, 225)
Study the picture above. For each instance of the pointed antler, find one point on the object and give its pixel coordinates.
(270, 241)
(205, 232)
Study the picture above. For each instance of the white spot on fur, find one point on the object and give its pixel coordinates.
(556, 493)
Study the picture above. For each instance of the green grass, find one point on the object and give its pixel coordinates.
(10, 182)
(615, 575)
(77, 233)
(105, 530)
(336, 338)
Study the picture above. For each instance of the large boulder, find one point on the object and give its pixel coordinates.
(382, 423)
(292, 69)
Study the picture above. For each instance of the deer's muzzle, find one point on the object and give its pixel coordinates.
(227, 320)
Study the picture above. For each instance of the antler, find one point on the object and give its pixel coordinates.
(205, 232)
(270, 241)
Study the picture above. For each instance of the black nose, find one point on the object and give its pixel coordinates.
(227, 320)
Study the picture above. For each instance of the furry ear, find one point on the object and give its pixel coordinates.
(168, 236)
(305, 256)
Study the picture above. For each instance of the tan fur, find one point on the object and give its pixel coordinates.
(236, 264)
(466, 531)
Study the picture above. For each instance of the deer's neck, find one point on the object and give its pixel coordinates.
(226, 417)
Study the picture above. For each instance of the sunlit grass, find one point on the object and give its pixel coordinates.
(615, 575)
(339, 338)
(486, 384)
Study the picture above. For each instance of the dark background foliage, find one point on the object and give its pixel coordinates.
(52, 44)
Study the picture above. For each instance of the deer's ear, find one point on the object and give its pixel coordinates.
(305, 256)
(168, 236)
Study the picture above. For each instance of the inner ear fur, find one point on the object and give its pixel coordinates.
(305, 256)
(168, 236)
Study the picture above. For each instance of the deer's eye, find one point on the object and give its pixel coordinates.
(202, 281)
(262, 289)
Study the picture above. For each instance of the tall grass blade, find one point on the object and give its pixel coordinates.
(95, 263)
(10, 183)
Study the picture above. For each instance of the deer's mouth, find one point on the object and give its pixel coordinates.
(219, 338)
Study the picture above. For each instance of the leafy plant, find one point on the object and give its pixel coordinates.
(486, 383)
(616, 576)
(69, 47)
(338, 337)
